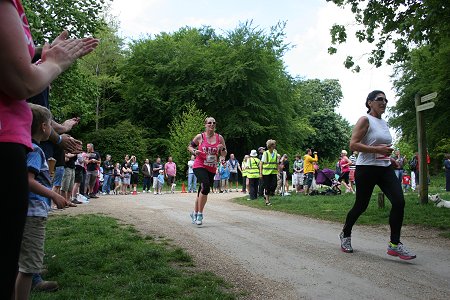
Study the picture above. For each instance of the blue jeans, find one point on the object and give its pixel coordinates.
(192, 182)
(399, 174)
(106, 188)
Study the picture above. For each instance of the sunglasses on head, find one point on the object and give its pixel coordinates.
(211, 123)
(381, 99)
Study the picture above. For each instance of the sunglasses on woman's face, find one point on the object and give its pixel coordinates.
(380, 99)
(211, 123)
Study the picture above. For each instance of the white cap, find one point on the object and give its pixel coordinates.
(253, 153)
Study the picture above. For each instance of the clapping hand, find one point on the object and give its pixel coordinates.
(63, 52)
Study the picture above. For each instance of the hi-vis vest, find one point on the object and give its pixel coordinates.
(244, 167)
(270, 166)
(253, 167)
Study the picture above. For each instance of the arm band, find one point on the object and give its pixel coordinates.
(59, 140)
(193, 144)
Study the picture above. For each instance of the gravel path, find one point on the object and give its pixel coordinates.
(273, 255)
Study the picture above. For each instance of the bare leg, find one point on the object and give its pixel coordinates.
(201, 202)
(23, 286)
(75, 189)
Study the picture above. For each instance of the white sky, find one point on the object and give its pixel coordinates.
(308, 26)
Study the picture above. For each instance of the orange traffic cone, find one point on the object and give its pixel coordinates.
(183, 188)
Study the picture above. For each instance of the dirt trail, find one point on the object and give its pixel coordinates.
(274, 255)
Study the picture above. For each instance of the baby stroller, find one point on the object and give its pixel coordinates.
(327, 177)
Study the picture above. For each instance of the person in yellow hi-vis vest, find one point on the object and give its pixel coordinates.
(244, 166)
(268, 170)
(308, 169)
(252, 171)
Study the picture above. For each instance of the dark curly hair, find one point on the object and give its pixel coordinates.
(372, 96)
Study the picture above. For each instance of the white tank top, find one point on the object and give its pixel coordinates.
(377, 134)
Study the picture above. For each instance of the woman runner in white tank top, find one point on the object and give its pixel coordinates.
(372, 139)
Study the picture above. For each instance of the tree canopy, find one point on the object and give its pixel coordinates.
(146, 99)
(50, 17)
(427, 71)
(406, 24)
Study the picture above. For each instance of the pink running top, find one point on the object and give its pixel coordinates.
(207, 159)
(15, 115)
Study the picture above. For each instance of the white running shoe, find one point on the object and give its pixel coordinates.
(199, 220)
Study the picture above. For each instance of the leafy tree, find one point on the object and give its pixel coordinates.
(426, 72)
(331, 134)
(48, 18)
(181, 132)
(119, 140)
(102, 67)
(314, 94)
(239, 79)
(325, 130)
(404, 23)
(73, 94)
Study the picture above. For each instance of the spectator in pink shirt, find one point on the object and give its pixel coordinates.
(170, 169)
(19, 80)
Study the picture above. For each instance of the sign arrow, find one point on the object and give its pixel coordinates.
(428, 97)
(425, 106)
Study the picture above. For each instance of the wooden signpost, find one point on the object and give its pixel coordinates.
(422, 143)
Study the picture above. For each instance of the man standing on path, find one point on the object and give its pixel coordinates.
(233, 166)
(308, 169)
(107, 175)
(268, 170)
(156, 167)
(253, 174)
(170, 169)
(297, 176)
(261, 183)
(147, 173)
(91, 170)
(398, 167)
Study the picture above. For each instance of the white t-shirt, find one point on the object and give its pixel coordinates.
(190, 165)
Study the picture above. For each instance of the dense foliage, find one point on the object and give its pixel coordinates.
(49, 18)
(147, 100)
(405, 24)
(424, 73)
(420, 33)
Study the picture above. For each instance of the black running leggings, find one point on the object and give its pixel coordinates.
(206, 180)
(14, 187)
(367, 177)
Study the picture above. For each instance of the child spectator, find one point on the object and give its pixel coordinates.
(406, 180)
(160, 182)
(31, 257)
(224, 171)
(216, 186)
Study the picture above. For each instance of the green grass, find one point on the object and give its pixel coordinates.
(335, 208)
(93, 257)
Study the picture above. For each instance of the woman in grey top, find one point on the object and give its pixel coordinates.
(372, 139)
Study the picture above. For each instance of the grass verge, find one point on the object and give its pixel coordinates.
(94, 257)
(335, 208)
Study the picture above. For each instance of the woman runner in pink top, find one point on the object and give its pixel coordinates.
(206, 146)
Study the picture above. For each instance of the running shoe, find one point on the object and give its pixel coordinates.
(401, 251)
(346, 243)
(193, 217)
(199, 220)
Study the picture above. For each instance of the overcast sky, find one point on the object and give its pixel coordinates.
(308, 26)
